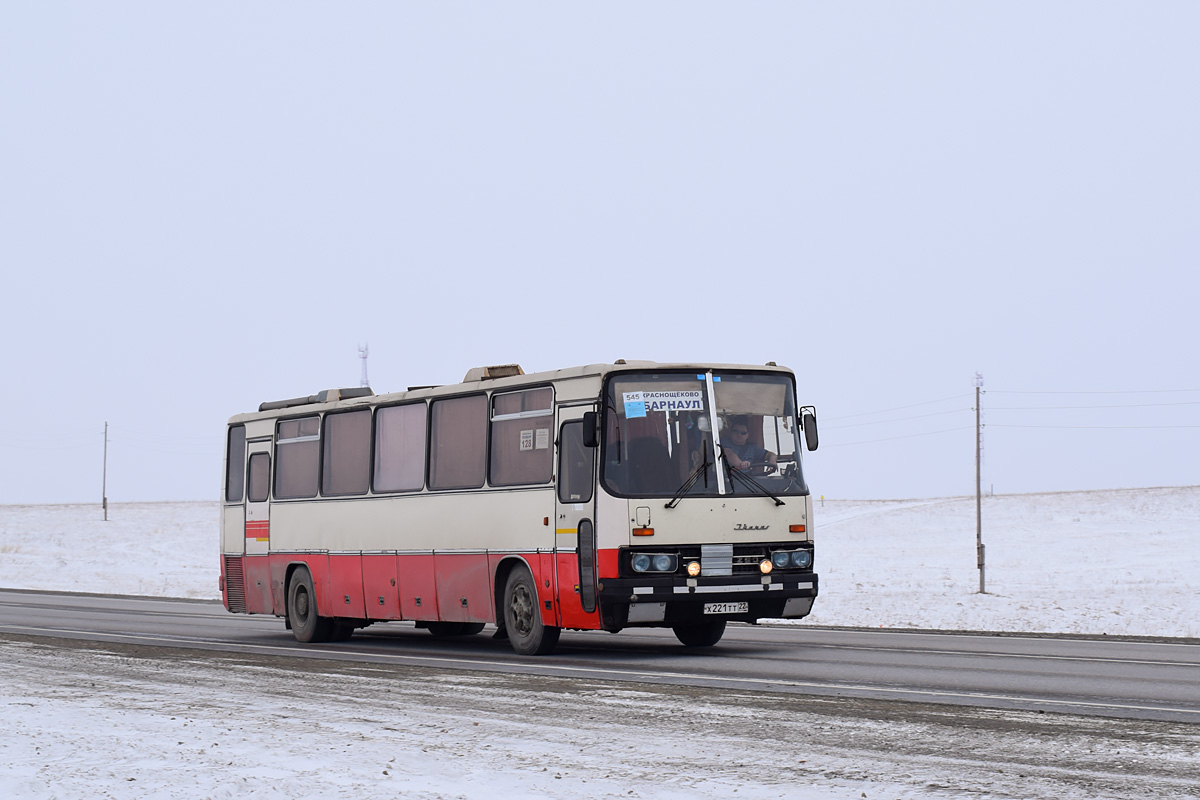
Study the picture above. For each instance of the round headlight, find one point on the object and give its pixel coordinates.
(802, 559)
(664, 563)
(781, 560)
(641, 562)
(694, 568)
(765, 565)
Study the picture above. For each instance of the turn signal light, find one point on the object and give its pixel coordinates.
(796, 528)
(643, 531)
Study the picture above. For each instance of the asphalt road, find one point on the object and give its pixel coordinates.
(1146, 680)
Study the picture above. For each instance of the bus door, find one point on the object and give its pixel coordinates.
(258, 507)
(574, 521)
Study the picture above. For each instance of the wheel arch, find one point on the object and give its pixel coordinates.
(290, 572)
(500, 580)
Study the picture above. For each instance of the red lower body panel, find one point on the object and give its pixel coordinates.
(451, 587)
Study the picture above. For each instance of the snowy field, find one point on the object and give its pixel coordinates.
(106, 721)
(1118, 562)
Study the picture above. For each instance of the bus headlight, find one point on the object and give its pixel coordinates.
(654, 562)
(781, 559)
(802, 559)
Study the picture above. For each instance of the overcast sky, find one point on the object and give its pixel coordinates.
(210, 205)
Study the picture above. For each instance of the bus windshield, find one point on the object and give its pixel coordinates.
(667, 433)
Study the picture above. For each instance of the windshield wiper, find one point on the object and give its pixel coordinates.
(750, 482)
(691, 479)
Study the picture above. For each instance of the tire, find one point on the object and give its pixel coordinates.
(527, 634)
(307, 625)
(701, 634)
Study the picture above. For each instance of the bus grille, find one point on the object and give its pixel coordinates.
(716, 559)
(235, 585)
(729, 559)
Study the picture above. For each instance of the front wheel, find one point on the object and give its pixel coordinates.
(527, 633)
(307, 625)
(701, 634)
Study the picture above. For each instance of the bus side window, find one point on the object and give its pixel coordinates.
(297, 457)
(260, 478)
(522, 424)
(575, 477)
(458, 442)
(400, 448)
(346, 458)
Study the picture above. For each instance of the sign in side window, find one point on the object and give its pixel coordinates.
(297, 457)
(235, 464)
(575, 476)
(458, 442)
(259, 483)
(346, 461)
(400, 448)
(522, 424)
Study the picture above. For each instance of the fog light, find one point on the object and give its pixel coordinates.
(694, 568)
(765, 565)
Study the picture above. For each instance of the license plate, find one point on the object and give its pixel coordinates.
(727, 608)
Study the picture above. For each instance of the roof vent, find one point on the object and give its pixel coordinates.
(493, 372)
(327, 396)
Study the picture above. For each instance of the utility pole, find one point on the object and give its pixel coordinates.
(104, 478)
(978, 484)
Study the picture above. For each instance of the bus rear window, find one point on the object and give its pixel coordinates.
(235, 464)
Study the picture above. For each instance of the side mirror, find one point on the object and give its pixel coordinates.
(591, 429)
(808, 419)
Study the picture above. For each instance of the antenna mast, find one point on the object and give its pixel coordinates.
(362, 355)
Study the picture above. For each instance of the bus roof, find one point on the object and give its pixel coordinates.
(481, 378)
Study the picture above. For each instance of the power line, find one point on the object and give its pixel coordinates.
(897, 419)
(1124, 405)
(909, 436)
(1099, 427)
(1129, 391)
(898, 408)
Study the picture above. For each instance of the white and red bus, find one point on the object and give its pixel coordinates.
(602, 497)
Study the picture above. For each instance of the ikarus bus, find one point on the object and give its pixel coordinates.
(603, 497)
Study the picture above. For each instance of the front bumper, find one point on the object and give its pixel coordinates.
(674, 600)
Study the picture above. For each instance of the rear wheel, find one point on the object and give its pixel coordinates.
(700, 634)
(307, 625)
(527, 634)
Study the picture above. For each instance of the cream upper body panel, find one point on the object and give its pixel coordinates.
(717, 520)
(516, 520)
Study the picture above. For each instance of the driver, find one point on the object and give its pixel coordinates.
(741, 453)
